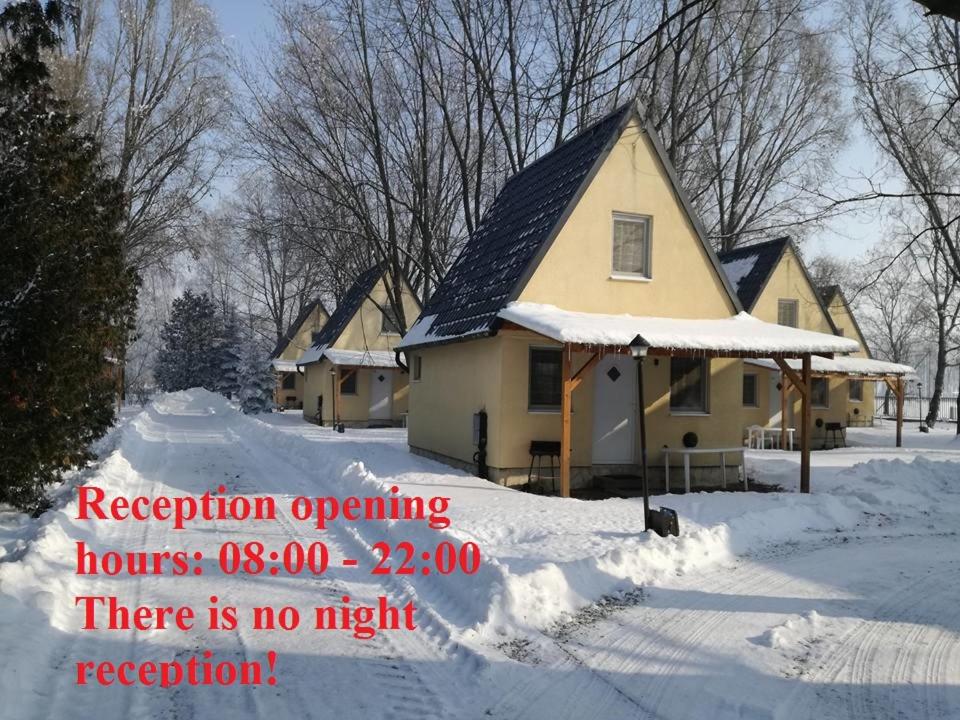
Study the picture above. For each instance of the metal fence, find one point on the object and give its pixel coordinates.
(915, 408)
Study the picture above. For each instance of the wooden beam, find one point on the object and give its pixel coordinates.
(579, 375)
(565, 416)
(784, 395)
(805, 422)
(792, 374)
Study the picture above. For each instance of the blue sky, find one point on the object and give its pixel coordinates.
(246, 24)
(243, 21)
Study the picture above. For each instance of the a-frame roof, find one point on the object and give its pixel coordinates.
(295, 327)
(518, 229)
(750, 268)
(348, 306)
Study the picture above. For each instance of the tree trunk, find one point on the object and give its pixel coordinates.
(933, 411)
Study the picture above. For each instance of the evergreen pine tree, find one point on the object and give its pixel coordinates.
(66, 295)
(257, 380)
(231, 355)
(191, 352)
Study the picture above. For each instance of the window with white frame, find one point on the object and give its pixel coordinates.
(751, 396)
(688, 384)
(820, 392)
(856, 390)
(631, 245)
(545, 378)
(788, 312)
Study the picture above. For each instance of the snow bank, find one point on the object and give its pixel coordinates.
(545, 557)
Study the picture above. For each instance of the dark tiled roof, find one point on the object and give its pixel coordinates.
(295, 327)
(750, 281)
(522, 218)
(348, 306)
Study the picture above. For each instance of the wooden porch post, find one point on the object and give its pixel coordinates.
(571, 381)
(805, 425)
(783, 410)
(336, 398)
(565, 433)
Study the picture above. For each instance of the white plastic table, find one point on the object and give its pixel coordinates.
(761, 433)
(687, 452)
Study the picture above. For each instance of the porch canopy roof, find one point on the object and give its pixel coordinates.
(856, 367)
(740, 336)
(351, 358)
(284, 365)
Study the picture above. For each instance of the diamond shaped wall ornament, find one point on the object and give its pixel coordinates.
(613, 374)
(381, 378)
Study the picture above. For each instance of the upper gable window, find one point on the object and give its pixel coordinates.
(390, 324)
(788, 312)
(631, 245)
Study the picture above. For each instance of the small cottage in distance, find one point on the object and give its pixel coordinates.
(290, 348)
(351, 374)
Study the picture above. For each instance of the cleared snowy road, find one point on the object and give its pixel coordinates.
(844, 604)
(853, 628)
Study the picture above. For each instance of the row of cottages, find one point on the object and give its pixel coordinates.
(288, 393)
(773, 284)
(588, 254)
(350, 373)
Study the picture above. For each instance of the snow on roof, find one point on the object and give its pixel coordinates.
(420, 333)
(844, 366)
(362, 358)
(358, 358)
(311, 355)
(284, 365)
(738, 269)
(741, 333)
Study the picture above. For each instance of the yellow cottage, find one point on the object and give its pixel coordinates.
(290, 348)
(773, 285)
(350, 372)
(525, 345)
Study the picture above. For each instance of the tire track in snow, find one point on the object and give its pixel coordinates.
(413, 695)
(651, 658)
(860, 661)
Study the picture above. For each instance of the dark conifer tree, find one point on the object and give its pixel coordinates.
(66, 295)
(191, 355)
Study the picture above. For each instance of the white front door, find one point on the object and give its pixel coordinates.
(775, 402)
(381, 393)
(614, 410)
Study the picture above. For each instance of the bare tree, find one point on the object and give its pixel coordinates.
(892, 316)
(274, 272)
(908, 89)
(940, 303)
(149, 79)
(747, 102)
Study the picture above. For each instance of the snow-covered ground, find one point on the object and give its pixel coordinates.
(839, 604)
